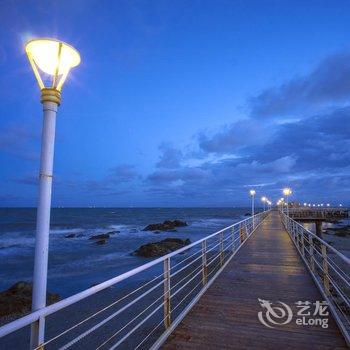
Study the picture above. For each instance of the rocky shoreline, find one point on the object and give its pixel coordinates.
(101, 239)
(17, 299)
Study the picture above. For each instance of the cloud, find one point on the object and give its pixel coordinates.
(19, 141)
(122, 173)
(28, 179)
(170, 157)
(318, 142)
(235, 136)
(327, 84)
(300, 153)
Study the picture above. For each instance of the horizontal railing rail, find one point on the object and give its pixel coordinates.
(139, 308)
(329, 268)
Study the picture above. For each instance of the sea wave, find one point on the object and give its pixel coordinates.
(15, 245)
(65, 231)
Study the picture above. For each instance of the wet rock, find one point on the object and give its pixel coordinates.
(341, 231)
(71, 235)
(101, 241)
(104, 236)
(167, 225)
(112, 232)
(247, 214)
(161, 248)
(17, 299)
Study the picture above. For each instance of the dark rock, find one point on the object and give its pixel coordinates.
(341, 231)
(332, 221)
(247, 214)
(80, 235)
(112, 232)
(102, 236)
(18, 299)
(161, 248)
(167, 225)
(71, 235)
(101, 241)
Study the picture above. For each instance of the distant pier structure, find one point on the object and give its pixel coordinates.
(318, 216)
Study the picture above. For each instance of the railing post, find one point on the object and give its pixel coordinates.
(37, 333)
(298, 239)
(233, 239)
(241, 233)
(302, 241)
(221, 248)
(325, 269)
(204, 263)
(311, 247)
(167, 306)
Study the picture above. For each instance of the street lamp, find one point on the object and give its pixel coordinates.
(252, 194)
(264, 199)
(287, 192)
(51, 61)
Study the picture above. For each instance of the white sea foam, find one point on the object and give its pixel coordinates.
(66, 231)
(10, 246)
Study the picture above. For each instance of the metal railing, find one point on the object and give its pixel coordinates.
(329, 268)
(137, 309)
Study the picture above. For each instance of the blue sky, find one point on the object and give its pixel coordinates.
(181, 103)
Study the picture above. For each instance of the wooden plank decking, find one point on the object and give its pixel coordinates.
(267, 267)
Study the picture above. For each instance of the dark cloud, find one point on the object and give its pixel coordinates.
(231, 138)
(19, 141)
(311, 153)
(328, 83)
(122, 173)
(28, 179)
(170, 157)
(318, 142)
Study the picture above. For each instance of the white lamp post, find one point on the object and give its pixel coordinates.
(264, 199)
(287, 192)
(51, 61)
(252, 194)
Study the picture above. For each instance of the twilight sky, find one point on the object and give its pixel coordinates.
(181, 103)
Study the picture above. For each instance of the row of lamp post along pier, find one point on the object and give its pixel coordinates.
(263, 199)
(286, 192)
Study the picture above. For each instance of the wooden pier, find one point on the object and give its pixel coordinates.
(268, 267)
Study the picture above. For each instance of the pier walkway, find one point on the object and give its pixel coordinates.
(267, 267)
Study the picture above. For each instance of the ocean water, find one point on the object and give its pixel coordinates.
(77, 263)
